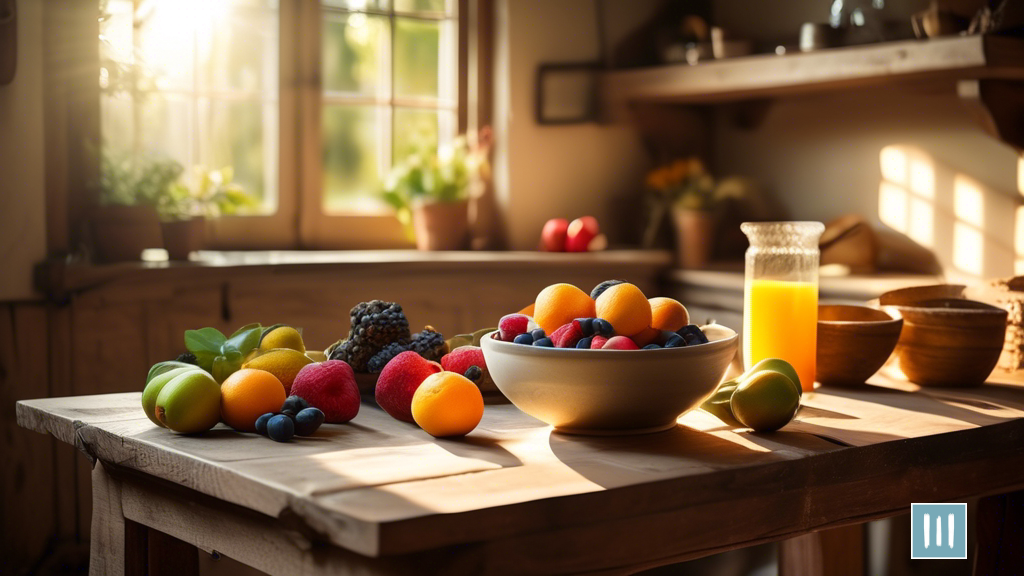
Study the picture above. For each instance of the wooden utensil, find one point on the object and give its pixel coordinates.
(854, 342)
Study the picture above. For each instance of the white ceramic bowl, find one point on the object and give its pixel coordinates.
(609, 392)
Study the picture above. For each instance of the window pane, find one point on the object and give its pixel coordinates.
(421, 5)
(355, 52)
(415, 131)
(358, 4)
(416, 57)
(352, 138)
(240, 53)
(233, 134)
(165, 127)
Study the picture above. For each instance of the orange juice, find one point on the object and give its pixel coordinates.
(780, 320)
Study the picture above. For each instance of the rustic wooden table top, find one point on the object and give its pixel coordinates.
(381, 487)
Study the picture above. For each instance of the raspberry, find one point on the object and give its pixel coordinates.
(512, 325)
(598, 342)
(567, 335)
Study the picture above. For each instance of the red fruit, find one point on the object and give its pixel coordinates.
(620, 343)
(399, 380)
(580, 233)
(552, 237)
(512, 325)
(331, 387)
(567, 335)
(460, 359)
(598, 342)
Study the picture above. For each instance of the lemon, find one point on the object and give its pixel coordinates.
(284, 363)
(281, 336)
(765, 401)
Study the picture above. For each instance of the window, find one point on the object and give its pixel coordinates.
(311, 103)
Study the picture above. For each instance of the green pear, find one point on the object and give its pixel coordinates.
(189, 403)
(777, 365)
(718, 404)
(162, 367)
(156, 384)
(765, 400)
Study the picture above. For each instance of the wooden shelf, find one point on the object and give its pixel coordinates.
(767, 76)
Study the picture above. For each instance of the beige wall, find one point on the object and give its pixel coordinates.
(566, 171)
(22, 194)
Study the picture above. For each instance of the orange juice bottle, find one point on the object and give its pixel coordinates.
(780, 306)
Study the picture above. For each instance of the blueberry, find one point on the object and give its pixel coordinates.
(586, 325)
(652, 347)
(546, 342)
(603, 327)
(693, 335)
(474, 373)
(523, 339)
(676, 341)
(293, 405)
(584, 343)
(538, 334)
(307, 421)
(280, 428)
(261, 423)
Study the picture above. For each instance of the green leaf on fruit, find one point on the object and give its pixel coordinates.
(246, 328)
(204, 340)
(244, 340)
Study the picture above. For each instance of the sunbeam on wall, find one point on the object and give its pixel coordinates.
(975, 231)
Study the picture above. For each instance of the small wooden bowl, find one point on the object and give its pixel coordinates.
(946, 339)
(853, 343)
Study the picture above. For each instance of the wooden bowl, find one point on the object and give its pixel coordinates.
(853, 343)
(915, 294)
(949, 341)
(610, 392)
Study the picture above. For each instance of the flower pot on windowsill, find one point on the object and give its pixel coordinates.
(695, 235)
(182, 237)
(441, 225)
(120, 233)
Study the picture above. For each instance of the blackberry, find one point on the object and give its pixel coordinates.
(381, 359)
(375, 324)
(188, 358)
(600, 288)
(429, 343)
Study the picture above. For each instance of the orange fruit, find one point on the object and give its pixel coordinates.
(668, 314)
(528, 311)
(560, 304)
(626, 308)
(646, 336)
(248, 394)
(447, 404)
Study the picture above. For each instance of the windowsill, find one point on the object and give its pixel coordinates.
(57, 279)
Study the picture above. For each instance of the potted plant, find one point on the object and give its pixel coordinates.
(184, 210)
(126, 222)
(687, 191)
(429, 191)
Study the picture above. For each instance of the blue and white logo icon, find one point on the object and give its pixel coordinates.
(938, 531)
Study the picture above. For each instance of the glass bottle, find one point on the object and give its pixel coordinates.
(780, 295)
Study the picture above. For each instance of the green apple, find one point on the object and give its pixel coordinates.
(162, 367)
(156, 384)
(718, 404)
(777, 365)
(189, 403)
(765, 400)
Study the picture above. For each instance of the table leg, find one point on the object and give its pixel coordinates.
(833, 552)
(999, 535)
(107, 532)
(169, 556)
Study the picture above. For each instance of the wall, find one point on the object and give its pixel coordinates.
(22, 198)
(544, 172)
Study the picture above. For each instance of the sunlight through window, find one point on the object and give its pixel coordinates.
(892, 206)
(922, 218)
(1020, 174)
(968, 203)
(922, 178)
(894, 165)
(968, 249)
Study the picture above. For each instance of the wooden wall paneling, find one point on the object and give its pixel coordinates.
(65, 456)
(27, 507)
(109, 346)
(192, 306)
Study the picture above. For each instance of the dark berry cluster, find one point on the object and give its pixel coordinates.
(188, 358)
(375, 325)
(428, 343)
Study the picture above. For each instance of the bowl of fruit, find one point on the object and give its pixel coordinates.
(571, 365)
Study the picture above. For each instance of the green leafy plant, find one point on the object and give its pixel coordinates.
(142, 181)
(216, 194)
(221, 355)
(431, 175)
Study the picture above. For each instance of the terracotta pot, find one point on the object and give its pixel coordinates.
(441, 225)
(181, 237)
(695, 231)
(121, 233)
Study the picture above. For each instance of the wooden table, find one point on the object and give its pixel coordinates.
(378, 495)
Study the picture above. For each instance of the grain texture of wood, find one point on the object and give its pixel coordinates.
(107, 537)
(383, 488)
(835, 552)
